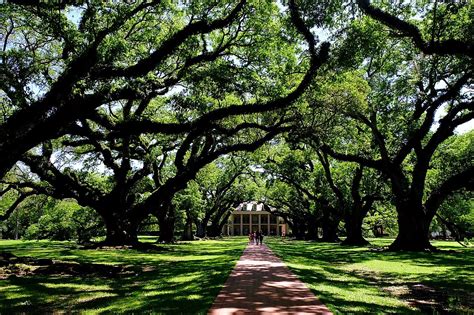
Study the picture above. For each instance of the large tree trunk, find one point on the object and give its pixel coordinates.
(299, 230)
(217, 223)
(329, 225)
(354, 233)
(353, 224)
(330, 232)
(413, 228)
(166, 230)
(166, 221)
(120, 231)
(312, 233)
(201, 226)
(224, 222)
(188, 230)
(214, 230)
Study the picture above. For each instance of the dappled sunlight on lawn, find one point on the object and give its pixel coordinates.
(183, 278)
(360, 279)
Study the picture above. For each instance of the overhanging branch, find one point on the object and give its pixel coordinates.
(443, 47)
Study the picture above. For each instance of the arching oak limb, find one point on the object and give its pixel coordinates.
(443, 47)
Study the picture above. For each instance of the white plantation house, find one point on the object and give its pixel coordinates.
(251, 217)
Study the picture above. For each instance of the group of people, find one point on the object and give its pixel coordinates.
(256, 238)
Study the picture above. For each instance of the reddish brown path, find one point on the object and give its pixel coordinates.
(262, 284)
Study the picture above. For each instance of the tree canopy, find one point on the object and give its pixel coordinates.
(329, 112)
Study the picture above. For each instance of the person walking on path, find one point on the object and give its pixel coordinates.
(250, 238)
(260, 236)
(257, 237)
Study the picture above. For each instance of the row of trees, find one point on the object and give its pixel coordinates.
(291, 180)
(314, 191)
(124, 107)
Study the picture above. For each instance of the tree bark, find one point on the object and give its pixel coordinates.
(330, 233)
(329, 225)
(188, 230)
(120, 232)
(413, 228)
(214, 230)
(201, 226)
(353, 226)
(166, 230)
(312, 233)
(299, 229)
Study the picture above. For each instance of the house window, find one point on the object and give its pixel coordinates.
(255, 218)
(273, 219)
(236, 218)
(237, 229)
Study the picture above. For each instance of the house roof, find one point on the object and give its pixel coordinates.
(250, 206)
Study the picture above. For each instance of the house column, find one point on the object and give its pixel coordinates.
(241, 228)
(278, 226)
(268, 224)
(250, 223)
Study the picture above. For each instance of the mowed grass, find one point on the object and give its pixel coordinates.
(362, 280)
(183, 278)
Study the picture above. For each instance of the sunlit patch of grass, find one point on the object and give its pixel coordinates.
(91, 297)
(358, 279)
(183, 278)
(75, 286)
(16, 295)
(194, 297)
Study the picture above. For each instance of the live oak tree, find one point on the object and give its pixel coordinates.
(127, 157)
(60, 64)
(12, 198)
(321, 192)
(419, 75)
(456, 213)
(356, 190)
(119, 106)
(299, 192)
(242, 189)
(218, 192)
(46, 63)
(295, 208)
(217, 189)
(41, 217)
(353, 188)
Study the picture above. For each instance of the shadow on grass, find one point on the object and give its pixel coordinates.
(183, 279)
(350, 279)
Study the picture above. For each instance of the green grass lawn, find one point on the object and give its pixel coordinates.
(354, 280)
(186, 277)
(183, 278)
